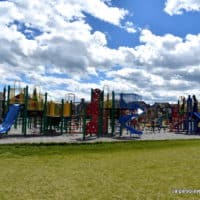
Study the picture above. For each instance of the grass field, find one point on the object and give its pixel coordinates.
(130, 170)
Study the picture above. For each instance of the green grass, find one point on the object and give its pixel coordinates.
(130, 170)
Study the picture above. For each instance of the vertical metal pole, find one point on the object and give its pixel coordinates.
(100, 118)
(8, 98)
(102, 114)
(107, 114)
(26, 108)
(84, 118)
(91, 95)
(24, 120)
(4, 102)
(121, 105)
(70, 121)
(178, 116)
(62, 116)
(6, 105)
(44, 125)
(113, 114)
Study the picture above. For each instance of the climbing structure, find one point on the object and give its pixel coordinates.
(98, 123)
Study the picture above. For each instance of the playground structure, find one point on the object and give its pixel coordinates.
(186, 115)
(113, 112)
(107, 114)
(34, 111)
(103, 116)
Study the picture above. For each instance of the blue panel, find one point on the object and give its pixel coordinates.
(128, 101)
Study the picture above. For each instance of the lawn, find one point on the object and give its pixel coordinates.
(128, 170)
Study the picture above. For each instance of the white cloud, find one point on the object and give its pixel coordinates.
(9, 12)
(177, 7)
(99, 9)
(92, 71)
(162, 64)
(130, 27)
(67, 52)
(44, 13)
(99, 39)
(168, 51)
(72, 39)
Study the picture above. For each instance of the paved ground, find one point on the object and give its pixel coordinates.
(15, 137)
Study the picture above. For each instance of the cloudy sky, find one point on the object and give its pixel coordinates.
(149, 47)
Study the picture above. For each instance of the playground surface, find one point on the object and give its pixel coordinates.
(15, 137)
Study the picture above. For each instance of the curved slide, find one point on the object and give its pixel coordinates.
(133, 131)
(197, 115)
(125, 119)
(10, 118)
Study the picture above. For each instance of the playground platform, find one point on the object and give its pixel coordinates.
(33, 138)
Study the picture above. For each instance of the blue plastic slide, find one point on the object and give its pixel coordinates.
(126, 118)
(197, 115)
(133, 131)
(10, 118)
(124, 122)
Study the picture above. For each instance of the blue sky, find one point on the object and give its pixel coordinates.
(146, 14)
(146, 47)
